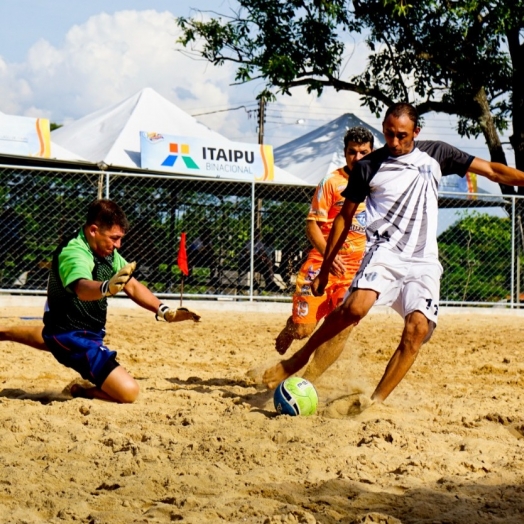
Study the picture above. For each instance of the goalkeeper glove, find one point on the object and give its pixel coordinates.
(116, 283)
(176, 315)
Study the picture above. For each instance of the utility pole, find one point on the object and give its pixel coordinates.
(261, 119)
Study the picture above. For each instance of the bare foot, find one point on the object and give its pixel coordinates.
(283, 341)
(348, 406)
(274, 376)
(77, 391)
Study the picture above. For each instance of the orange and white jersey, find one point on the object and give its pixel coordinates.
(326, 205)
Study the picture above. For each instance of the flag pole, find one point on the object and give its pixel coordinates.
(182, 264)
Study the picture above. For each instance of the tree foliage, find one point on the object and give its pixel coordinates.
(462, 57)
(288, 43)
(476, 256)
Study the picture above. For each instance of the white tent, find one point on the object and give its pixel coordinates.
(61, 153)
(318, 153)
(111, 135)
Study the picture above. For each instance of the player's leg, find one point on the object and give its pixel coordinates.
(327, 342)
(304, 316)
(416, 329)
(85, 352)
(28, 335)
(119, 386)
(292, 331)
(418, 303)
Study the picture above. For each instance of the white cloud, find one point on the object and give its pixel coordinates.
(107, 59)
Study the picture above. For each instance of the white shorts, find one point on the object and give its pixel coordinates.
(405, 284)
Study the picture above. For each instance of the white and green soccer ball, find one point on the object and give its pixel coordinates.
(296, 396)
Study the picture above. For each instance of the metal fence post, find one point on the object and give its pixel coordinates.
(252, 258)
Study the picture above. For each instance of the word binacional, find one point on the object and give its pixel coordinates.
(227, 168)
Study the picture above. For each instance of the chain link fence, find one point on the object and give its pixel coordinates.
(245, 241)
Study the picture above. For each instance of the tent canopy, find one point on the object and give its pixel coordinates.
(316, 154)
(112, 135)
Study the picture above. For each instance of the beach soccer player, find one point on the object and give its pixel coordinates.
(400, 267)
(86, 269)
(327, 202)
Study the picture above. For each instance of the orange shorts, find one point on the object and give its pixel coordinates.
(309, 309)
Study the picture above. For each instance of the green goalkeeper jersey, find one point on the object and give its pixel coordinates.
(73, 259)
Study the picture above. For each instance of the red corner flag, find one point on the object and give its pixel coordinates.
(182, 255)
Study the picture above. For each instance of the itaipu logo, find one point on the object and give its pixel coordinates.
(182, 150)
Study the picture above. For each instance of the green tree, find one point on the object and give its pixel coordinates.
(461, 57)
(476, 256)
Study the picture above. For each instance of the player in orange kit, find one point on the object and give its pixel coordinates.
(327, 202)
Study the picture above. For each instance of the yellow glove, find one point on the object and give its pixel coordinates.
(176, 315)
(117, 282)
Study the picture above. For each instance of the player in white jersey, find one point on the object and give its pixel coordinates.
(400, 267)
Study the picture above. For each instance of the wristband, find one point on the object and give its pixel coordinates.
(161, 310)
(104, 288)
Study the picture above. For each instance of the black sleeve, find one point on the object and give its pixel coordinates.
(357, 190)
(452, 161)
(358, 187)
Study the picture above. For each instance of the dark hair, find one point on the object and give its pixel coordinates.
(106, 214)
(359, 135)
(403, 108)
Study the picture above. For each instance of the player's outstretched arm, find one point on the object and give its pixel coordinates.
(142, 296)
(496, 172)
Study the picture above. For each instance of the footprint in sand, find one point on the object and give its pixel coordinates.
(348, 406)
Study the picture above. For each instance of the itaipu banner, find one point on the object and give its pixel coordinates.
(203, 157)
(25, 136)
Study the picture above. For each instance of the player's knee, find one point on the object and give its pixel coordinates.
(121, 386)
(352, 312)
(129, 391)
(418, 328)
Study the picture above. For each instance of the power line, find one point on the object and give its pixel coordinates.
(222, 110)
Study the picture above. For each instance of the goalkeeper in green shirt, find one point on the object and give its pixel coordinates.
(86, 269)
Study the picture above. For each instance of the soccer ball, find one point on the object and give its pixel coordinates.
(296, 396)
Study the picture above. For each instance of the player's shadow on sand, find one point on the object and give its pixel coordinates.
(258, 399)
(210, 382)
(450, 501)
(44, 397)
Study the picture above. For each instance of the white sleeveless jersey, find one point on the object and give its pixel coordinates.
(402, 195)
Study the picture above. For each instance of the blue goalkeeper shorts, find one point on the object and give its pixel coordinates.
(83, 351)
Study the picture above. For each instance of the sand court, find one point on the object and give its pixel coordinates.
(203, 443)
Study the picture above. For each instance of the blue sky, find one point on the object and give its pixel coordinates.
(64, 59)
(22, 22)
